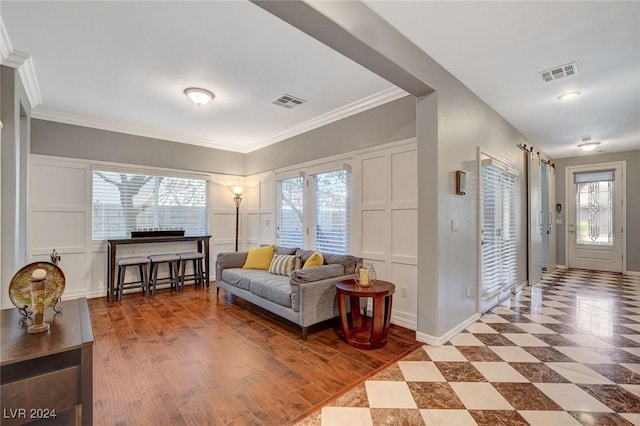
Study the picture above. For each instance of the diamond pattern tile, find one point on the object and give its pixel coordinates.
(563, 352)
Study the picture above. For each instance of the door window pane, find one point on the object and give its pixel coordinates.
(291, 223)
(499, 240)
(594, 213)
(332, 211)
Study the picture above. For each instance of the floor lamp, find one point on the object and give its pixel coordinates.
(237, 199)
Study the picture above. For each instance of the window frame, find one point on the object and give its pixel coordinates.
(310, 201)
(156, 172)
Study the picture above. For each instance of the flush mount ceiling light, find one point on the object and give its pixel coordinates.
(198, 96)
(567, 96)
(588, 145)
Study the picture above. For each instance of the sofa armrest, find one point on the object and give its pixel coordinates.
(317, 273)
(229, 260)
(316, 301)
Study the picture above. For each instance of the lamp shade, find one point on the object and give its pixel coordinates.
(198, 96)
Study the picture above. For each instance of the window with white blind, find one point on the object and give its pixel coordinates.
(499, 224)
(291, 212)
(332, 211)
(122, 201)
(314, 212)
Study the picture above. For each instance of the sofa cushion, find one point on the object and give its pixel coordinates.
(241, 278)
(318, 273)
(275, 288)
(282, 264)
(259, 258)
(285, 250)
(316, 259)
(304, 254)
(349, 262)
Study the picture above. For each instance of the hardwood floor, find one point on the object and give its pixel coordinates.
(191, 359)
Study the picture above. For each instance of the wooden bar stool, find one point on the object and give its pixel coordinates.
(198, 271)
(142, 263)
(172, 260)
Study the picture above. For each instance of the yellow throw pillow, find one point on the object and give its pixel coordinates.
(316, 259)
(259, 257)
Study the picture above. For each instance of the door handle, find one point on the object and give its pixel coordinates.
(540, 221)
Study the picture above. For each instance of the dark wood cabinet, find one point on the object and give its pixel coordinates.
(47, 374)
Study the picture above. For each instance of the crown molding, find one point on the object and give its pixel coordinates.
(29, 79)
(23, 63)
(131, 129)
(369, 102)
(6, 49)
(377, 99)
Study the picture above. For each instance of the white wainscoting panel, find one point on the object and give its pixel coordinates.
(404, 238)
(389, 223)
(57, 229)
(253, 228)
(373, 236)
(405, 276)
(225, 226)
(404, 176)
(58, 184)
(251, 198)
(374, 179)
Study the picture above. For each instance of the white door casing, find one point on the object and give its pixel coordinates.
(595, 236)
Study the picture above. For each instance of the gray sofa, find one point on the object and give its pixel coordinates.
(306, 298)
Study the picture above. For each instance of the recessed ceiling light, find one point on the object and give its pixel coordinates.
(567, 96)
(198, 96)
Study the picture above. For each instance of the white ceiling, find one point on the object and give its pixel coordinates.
(124, 65)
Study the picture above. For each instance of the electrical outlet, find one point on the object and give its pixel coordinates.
(403, 292)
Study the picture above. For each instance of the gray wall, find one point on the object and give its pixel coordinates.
(632, 201)
(463, 122)
(66, 140)
(390, 122)
(15, 175)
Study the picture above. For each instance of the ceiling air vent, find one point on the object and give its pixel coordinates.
(288, 101)
(559, 72)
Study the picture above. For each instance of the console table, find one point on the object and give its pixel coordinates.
(202, 242)
(365, 333)
(47, 377)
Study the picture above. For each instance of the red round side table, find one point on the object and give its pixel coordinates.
(365, 333)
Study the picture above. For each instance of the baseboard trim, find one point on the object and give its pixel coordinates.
(561, 266)
(404, 320)
(439, 341)
(633, 273)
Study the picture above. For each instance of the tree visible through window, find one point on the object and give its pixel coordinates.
(291, 220)
(125, 201)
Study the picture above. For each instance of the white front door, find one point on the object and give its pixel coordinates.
(595, 216)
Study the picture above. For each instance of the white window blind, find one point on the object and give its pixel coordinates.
(499, 225)
(123, 201)
(599, 176)
(291, 212)
(332, 211)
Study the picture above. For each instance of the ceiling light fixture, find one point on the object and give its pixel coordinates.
(198, 96)
(587, 145)
(567, 96)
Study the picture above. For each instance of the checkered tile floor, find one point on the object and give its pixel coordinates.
(563, 352)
